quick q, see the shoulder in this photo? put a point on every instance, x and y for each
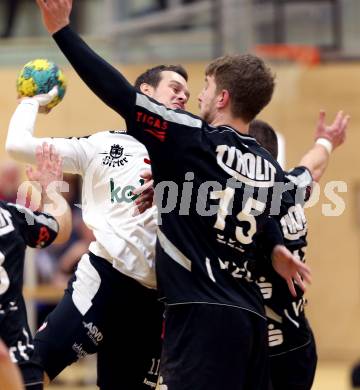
(148, 107)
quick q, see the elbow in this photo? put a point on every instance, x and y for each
(62, 237)
(13, 149)
(65, 227)
(10, 147)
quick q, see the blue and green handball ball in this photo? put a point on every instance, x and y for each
(40, 76)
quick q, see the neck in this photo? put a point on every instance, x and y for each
(222, 119)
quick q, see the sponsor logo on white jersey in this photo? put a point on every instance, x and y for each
(119, 194)
(115, 157)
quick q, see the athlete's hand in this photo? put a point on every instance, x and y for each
(48, 167)
(145, 192)
(290, 268)
(336, 131)
(55, 13)
(44, 99)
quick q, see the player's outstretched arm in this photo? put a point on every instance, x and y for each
(290, 268)
(21, 144)
(103, 79)
(327, 138)
(48, 173)
(10, 378)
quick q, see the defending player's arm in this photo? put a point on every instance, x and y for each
(327, 138)
(21, 143)
(148, 121)
(103, 79)
(284, 262)
(48, 174)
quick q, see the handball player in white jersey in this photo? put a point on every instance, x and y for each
(110, 306)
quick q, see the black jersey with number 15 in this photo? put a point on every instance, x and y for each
(217, 187)
(210, 178)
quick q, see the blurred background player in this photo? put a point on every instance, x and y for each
(10, 176)
(21, 227)
(111, 299)
(292, 347)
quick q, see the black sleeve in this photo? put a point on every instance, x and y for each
(102, 78)
(271, 235)
(148, 121)
(302, 180)
(38, 230)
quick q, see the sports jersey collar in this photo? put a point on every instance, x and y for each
(241, 135)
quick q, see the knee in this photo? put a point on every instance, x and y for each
(4, 353)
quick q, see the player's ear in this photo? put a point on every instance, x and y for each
(147, 89)
(223, 98)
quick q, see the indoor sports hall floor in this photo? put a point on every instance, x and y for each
(330, 376)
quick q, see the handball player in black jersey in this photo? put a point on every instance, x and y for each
(292, 348)
(21, 227)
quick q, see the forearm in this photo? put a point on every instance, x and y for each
(272, 235)
(10, 378)
(103, 79)
(316, 160)
(20, 143)
(54, 204)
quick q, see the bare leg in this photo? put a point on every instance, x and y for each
(10, 378)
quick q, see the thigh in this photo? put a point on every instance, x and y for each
(212, 347)
(129, 358)
(75, 327)
(294, 370)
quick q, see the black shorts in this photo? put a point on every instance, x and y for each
(214, 347)
(15, 332)
(295, 369)
(106, 312)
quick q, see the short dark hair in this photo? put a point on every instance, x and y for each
(265, 135)
(152, 76)
(249, 81)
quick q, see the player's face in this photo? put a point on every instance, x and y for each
(207, 100)
(172, 90)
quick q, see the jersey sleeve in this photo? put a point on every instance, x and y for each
(148, 121)
(272, 235)
(302, 181)
(102, 78)
(21, 143)
(163, 131)
(39, 230)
